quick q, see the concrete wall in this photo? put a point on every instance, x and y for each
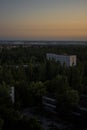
(63, 59)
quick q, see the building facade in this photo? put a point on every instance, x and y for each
(63, 59)
(49, 104)
(12, 94)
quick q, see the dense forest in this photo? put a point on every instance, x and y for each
(33, 76)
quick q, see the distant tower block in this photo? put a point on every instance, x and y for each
(63, 59)
(12, 94)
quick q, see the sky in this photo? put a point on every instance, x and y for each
(43, 19)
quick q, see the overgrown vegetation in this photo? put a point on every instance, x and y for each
(33, 76)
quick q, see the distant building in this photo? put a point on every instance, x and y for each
(12, 95)
(63, 59)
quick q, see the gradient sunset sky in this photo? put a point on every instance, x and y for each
(43, 19)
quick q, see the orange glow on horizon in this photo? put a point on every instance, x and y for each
(59, 30)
